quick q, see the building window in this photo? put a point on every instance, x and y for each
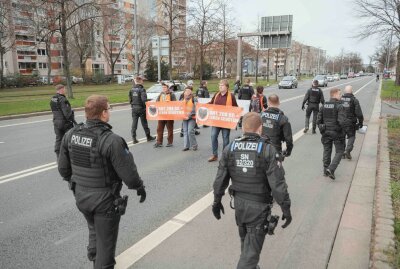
(42, 65)
(124, 67)
(27, 65)
(98, 56)
(41, 52)
(98, 32)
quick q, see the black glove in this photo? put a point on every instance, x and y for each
(360, 125)
(322, 128)
(285, 153)
(286, 216)
(142, 193)
(302, 107)
(217, 208)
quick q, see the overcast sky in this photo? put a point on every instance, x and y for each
(328, 24)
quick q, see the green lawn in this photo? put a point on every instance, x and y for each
(390, 90)
(394, 151)
(36, 99)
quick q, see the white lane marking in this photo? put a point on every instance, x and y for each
(148, 243)
(31, 122)
(2, 142)
(17, 175)
(48, 166)
(360, 89)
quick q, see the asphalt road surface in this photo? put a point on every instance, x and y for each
(40, 226)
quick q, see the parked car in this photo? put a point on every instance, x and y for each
(336, 76)
(154, 91)
(44, 80)
(343, 76)
(128, 78)
(350, 75)
(330, 78)
(186, 75)
(76, 80)
(322, 80)
(288, 82)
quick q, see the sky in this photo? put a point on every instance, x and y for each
(329, 24)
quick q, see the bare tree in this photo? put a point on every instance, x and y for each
(116, 33)
(382, 18)
(203, 17)
(383, 52)
(146, 30)
(7, 38)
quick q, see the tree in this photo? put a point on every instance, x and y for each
(7, 38)
(382, 18)
(146, 30)
(383, 52)
(116, 33)
(203, 14)
(151, 71)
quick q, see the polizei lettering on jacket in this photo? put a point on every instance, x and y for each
(245, 146)
(329, 106)
(271, 116)
(82, 141)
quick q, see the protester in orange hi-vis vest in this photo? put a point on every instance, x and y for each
(258, 102)
(224, 98)
(165, 96)
(189, 137)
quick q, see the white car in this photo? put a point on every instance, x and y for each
(330, 78)
(76, 79)
(128, 78)
(154, 91)
(336, 76)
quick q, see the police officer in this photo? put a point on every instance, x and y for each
(138, 99)
(276, 126)
(63, 116)
(313, 97)
(202, 91)
(245, 93)
(354, 118)
(95, 162)
(257, 177)
(331, 120)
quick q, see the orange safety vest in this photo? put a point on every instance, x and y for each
(228, 98)
(189, 106)
(165, 97)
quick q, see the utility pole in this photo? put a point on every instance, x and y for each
(136, 41)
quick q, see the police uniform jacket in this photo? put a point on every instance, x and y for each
(255, 172)
(331, 118)
(352, 109)
(314, 96)
(92, 156)
(277, 127)
(138, 96)
(246, 92)
(63, 115)
(202, 92)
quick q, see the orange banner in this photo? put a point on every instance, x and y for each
(217, 115)
(173, 110)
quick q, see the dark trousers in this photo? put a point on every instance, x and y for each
(350, 133)
(312, 108)
(250, 216)
(139, 112)
(103, 224)
(160, 131)
(329, 139)
(60, 128)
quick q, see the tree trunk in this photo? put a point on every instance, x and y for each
(170, 40)
(398, 66)
(2, 67)
(301, 54)
(268, 65)
(48, 48)
(65, 50)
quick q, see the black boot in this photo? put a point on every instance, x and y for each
(305, 130)
(313, 131)
(150, 138)
(134, 140)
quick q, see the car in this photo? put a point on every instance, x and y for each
(76, 80)
(44, 80)
(322, 80)
(343, 76)
(288, 82)
(154, 91)
(330, 78)
(128, 78)
(350, 75)
(357, 75)
(186, 75)
(336, 76)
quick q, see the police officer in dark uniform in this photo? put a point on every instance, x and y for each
(245, 93)
(313, 97)
(257, 177)
(354, 118)
(276, 126)
(138, 99)
(331, 120)
(95, 162)
(63, 116)
(202, 91)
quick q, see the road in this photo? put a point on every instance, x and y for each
(40, 226)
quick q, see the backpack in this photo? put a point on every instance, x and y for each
(255, 104)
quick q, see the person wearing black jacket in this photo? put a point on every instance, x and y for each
(63, 116)
(202, 91)
(313, 97)
(257, 177)
(95, 162)
(331, 121)
(138, 99)
(354, 118)
(276, 126)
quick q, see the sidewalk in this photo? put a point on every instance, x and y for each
(317, 206)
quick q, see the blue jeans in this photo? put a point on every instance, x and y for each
(214, 138)
(189, 138)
